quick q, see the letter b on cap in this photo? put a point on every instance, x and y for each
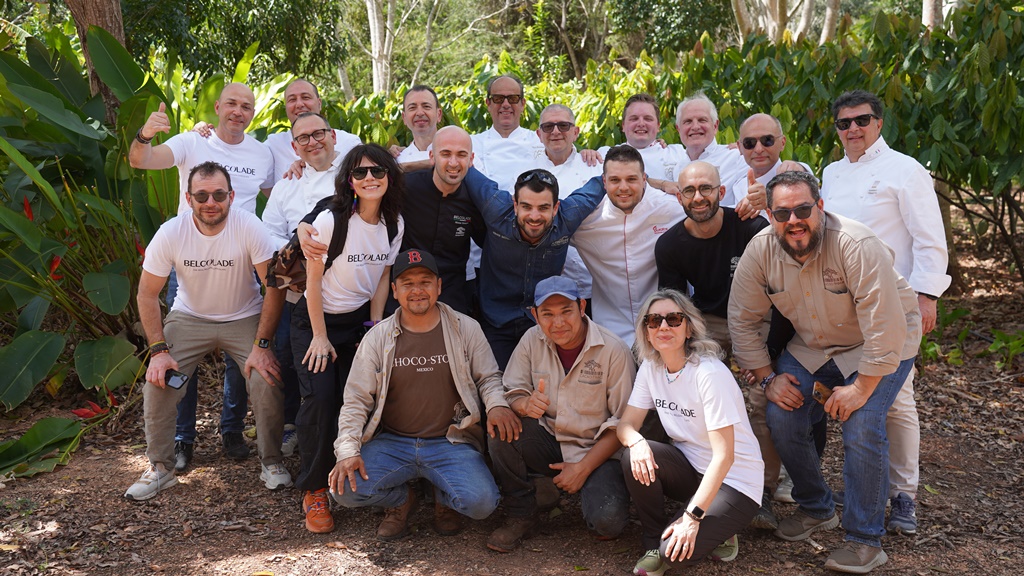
(414, 257)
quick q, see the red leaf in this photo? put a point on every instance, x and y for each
(28, 208)
(110, 397)
(54, 264)
(83, 413)
(97, 408)
(140, 249)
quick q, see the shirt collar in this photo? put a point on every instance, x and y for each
(874, 151)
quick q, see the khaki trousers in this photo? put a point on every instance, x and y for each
(904, 431)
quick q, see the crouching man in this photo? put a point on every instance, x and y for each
(413, 409)
(218, 306)
(569, 380)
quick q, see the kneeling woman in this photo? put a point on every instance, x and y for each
(713, 465)
(328, 321)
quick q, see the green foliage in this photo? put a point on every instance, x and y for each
(1008, 347)
(33, 452)
(931, 350)
(676, 26)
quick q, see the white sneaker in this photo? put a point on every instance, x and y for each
(275, 476)
(151, 483)
(784, 493)
(290, 440)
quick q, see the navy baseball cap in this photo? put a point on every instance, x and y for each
(560, 285)
(413, 259)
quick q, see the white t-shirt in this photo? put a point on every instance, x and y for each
(215, 273)
(354, 275)
(249, 164)
(280, 145)
(704, 397)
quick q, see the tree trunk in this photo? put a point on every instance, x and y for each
(378, 33)
(105, 14)
(806, 17)
(931, 14)
(828, 29)
(743, 21)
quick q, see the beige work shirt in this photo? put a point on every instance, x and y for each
(585, 402)
(847, 302)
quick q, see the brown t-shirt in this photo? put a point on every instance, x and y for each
(422, 400)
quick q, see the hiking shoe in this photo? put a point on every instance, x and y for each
(799, 526)
(234, 445)
(838, 497)
(903, 516)
(151, 483)
(317, 508)
(447, 522)
(508, 537)
(396, 520)
(784, 492)
(546, 493)
(290, 440)
(765, 518)
(727, 551)
(856, 558)
(275, 476)
(182, 455)
(650, 565)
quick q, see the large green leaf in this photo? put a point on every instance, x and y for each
(114, 64)
(107, 363)
(17, 72)
(42, 438)
(31, 317)
(52, 108)
(30, 170)
(22, 227)
(242, 69)
(26, 361)
(109, 292)
(58, 71)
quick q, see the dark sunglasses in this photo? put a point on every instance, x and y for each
(863, 120)
(767, 141)
(549, 127)
(802, 212)
(499, 99)
(543, 176)
(706, 190)
(317, 135)
(674, 319)
(360, 172)
(202, 197)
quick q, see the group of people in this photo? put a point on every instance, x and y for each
(498, 313)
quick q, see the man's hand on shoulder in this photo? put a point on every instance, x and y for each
(591, 157)
(311, 249)
(204, 129)
(504, 422)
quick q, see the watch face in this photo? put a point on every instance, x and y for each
(264, 343)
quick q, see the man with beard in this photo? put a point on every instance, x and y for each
(218, 306)
(858, 328)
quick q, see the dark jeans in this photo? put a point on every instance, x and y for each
(236, 397)
(322, 392)
(504, 339)
(283, 352)
(605, 501)
(730, 512)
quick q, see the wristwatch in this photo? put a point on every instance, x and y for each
(262, 342)
(695, 512)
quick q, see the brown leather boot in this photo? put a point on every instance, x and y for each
(396, 520)
(447, 522)
(508, 537)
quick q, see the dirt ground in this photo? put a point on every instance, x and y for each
(221, 520)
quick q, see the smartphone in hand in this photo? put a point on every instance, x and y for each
(821, 392)
(175, 379)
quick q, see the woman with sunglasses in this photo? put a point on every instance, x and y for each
(343, 297)
(712, 466)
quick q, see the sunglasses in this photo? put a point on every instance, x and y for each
(802, 212)
(767, 141)
(549, 127)
(317, 135)
(543, 176)
(706, 190)
(360, 172)
(499, 99)
(843, 124)
(202, 197)
(674, 319)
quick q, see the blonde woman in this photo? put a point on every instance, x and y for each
(713, 465)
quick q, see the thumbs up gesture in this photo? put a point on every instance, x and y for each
(157, 122)
(538, 402)
(754, 201)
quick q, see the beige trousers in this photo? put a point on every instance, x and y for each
(904, 431)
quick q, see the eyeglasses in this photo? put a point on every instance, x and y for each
(549, 127)
(750, 142)
(802, 212)
(543, 176)
(317, 135)
(202, 197)
(360, 172)
(674, 319)
(706, 190)
(843, 124)
(499, 99)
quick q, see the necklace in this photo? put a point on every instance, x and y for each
(670, 377)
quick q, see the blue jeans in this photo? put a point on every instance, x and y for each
(457, 471)
(865, 449)
(283, 351)
(236, 398)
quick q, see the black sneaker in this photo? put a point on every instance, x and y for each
(234, 445)
(765, 518)
(182, 455)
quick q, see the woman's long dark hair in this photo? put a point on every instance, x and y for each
(344, 201)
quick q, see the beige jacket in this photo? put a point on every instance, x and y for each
(847, 302)
(474, 369)
(585, 402)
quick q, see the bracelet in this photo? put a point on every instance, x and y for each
(142, 139)
(155, 353)
(159, 348)
(767, 380)
(642, 439)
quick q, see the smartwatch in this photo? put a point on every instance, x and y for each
(262, 342)
(695, 512)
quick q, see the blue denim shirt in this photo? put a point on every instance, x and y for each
(511, 267)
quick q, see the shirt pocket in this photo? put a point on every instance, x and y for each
(786, 302)
(840, 309)
(589, 399)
